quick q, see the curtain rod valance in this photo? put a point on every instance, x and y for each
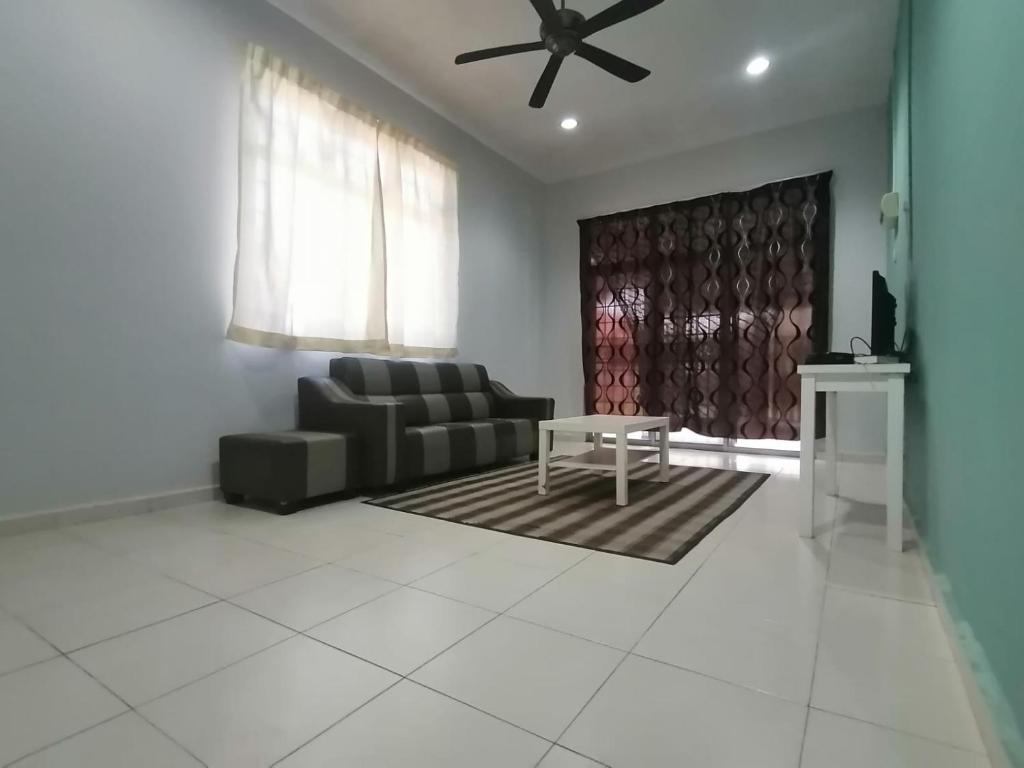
(262, 58)
(825, 177)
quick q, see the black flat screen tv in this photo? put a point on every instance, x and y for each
(883, 317)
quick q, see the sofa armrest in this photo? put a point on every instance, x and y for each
(327, 405)
(509, 405)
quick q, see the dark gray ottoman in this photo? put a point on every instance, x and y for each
(287, 467)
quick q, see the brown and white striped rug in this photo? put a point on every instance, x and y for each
(663, 521)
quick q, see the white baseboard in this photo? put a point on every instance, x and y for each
(104, 510)
(981, 705)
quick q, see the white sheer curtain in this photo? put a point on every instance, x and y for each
(421, 225)
(348, 229)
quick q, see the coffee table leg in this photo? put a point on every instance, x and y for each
(663, 443)
(542, 462)
(621, 469)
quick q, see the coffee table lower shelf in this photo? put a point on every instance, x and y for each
(603, 459)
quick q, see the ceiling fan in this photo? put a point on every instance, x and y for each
(563, 32)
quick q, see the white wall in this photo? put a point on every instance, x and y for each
(118, 145)
(854, 145)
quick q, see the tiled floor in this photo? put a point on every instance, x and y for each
(350, 635)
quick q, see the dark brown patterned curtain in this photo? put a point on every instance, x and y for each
(702, 310)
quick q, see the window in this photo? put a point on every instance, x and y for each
(348, 227)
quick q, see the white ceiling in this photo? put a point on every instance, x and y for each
(828, 56)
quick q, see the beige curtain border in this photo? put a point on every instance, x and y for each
(316, 344)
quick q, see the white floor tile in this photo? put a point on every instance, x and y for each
(219, 516)
(403, 629)
(559, 757)
(410, 558)
(537, 553)
(854, 623)
(259, 710)
(862, 483)
(528, 675)
(470, 536)
(44, 703)
(763, 586)
(732, 643)
(122, 608)
(412, 726)
(645, 575)
(755, 600)
(127, 741)
(486, 580)
(868, 520)
(135, 533)
(655, 716)
(36, 580)
(862, 563)
(324, 538)
(762, 548)
(225, 565)
(29, 554)
(150, 662)
(839, 742)
(20, 646)
(873, 672)
(606, 598)
(18, 545)
(382, 519)
(313, 597)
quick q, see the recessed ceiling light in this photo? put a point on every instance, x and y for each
(570, 123)
(758, 66)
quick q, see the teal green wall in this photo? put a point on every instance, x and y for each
(965, 427)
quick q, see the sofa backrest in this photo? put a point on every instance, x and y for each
(372, 376)
(431, 392)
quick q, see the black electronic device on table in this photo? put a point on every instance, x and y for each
(831, 358)
(883, 317)
(883, 328)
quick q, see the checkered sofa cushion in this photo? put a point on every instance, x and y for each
(434, 449)
(431, 393)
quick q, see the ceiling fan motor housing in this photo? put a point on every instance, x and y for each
(564, 40)
(562, 33)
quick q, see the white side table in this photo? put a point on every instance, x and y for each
(885, 378)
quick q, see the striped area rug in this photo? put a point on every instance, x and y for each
(663, 521)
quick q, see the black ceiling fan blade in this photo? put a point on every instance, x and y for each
(609, 62)
(502, 50)
(622, 10)
(546, 10)
(547, 79)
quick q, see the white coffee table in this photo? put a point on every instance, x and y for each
(617, 460)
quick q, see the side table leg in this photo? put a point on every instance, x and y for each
(832, 443)
(894, 467)
(542, 462)
(621, 469)
(806, 511)
(663, 444)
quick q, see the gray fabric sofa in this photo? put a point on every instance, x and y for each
(414, 420)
